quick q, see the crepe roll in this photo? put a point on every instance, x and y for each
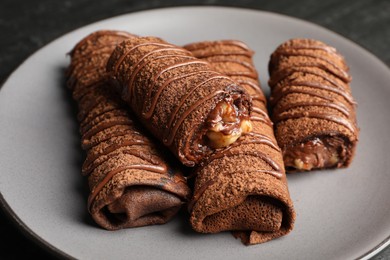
(132, 181)
(242, 188)
(312, 105)
(187, 105)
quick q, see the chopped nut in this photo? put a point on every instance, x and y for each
(300, 165)
(220, 140)
(226, 125)
(334, 159)
(246, 126)
(314, 154)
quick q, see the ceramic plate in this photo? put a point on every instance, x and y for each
(341, 214)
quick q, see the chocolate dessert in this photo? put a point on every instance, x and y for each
(242, 188)
(186, 104)
(132, 183)
(312, 106)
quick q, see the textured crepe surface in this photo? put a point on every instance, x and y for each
(172, 93)
(311, 96)
(132, 183)
(242, 188)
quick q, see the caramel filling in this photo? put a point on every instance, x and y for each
(325, 152)
(226, 123)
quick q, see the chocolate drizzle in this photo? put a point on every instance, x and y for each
(202, 189)
(111, 148)
(334, 118)
(340, 107)
(139, 67)
(172, 126)
(278, 91)
(256, 87)
(101, 136)
(263, 139)
(104, 125)
(150, 70)
(323, 77)
(110, 136)
(315, 51)
(149, 113)
(312, 104)
(108, 176)
(220, 54)
(246, 77)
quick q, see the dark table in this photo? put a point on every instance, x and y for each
(25, 26)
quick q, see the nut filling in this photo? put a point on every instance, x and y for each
(226, 123)
(325, 152)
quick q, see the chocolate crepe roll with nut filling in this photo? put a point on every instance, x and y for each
(186, 104)
(313, 108)
(242, 188)
(131, 183)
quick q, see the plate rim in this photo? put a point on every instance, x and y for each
(28, 233)
(54, 251)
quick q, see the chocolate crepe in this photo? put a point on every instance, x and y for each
(242, 188)
(131, 183)
(313, 108)
(186, 104)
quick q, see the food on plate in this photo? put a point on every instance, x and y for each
(312, 105)
(131, 179)
(242, 188)
(187, 105)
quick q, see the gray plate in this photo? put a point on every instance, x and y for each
(341, 214)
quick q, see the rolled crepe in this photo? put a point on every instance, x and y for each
(242, 188)
(313, 108)
(188, 106)
(131, 183)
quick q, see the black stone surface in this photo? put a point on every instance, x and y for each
(27, 25)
